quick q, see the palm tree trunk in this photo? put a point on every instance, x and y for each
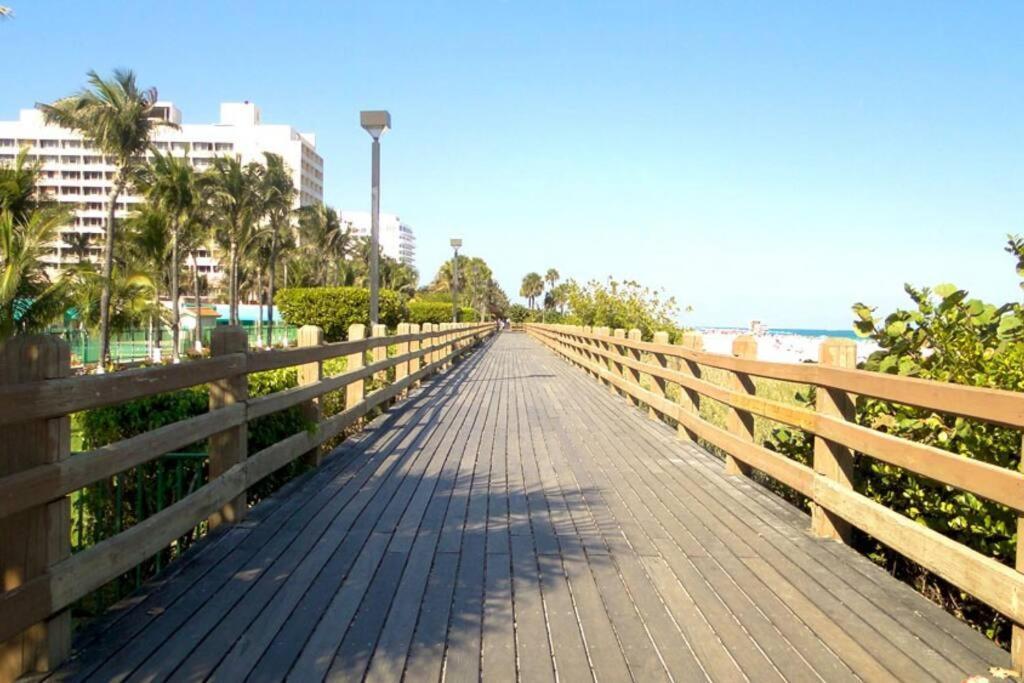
(108, 272)
(195, 291)
(270, 288)
(175, 313)
(233, 286)
(259, 306)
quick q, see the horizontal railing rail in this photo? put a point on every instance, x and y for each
(37, 473)
(618, 358)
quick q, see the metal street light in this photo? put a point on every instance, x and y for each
(456, 242)
(375, 123)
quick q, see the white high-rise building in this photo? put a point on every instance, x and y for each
(78, 175)
(396, 238)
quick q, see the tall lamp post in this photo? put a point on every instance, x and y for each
(456, 243)
(375, 123)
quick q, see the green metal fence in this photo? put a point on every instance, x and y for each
(130, 346)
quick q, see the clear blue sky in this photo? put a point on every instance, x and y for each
(758, 160)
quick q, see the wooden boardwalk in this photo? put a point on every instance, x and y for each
(513, 519)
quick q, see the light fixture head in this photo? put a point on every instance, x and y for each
(375, 122)
(456, 242)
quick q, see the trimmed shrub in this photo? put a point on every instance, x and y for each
(333, 309)
(437, 312)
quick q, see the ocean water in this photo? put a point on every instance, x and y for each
(803, 332)
(846, 334)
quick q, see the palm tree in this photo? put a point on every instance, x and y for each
(169, 182)
(117, 117)
(279, 196)
(398, 277)
(147, 252)
(532, 287)
(195, 236)
(550, 277)
(28, 299)
(79, 244)
(235, 196)
(330, 240)
(18, 191)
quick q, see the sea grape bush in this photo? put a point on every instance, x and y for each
(947, 336)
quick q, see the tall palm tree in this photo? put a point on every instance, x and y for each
(551, 278)
(236, 200)
(278, 196)
(19, 193)
(147, 252)
(330, 240)
(28, 299)
(532, 287)
(195, 238)
(169, 182)
(118, 118)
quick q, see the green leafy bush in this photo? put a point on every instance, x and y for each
(626, 304)
(948, 337)
(518, 313)
(333, 309)
(437, 312)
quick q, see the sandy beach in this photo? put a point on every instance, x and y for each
(771, 346)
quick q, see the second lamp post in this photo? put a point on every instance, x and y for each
(456, 243)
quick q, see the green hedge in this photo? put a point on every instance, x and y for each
(333, 309)
(437, 312)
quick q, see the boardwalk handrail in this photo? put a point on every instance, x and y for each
(616, 359)
(40, 577)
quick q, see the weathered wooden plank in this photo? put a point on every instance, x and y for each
(289, 640)
(49, 482)
(857, 625)
(34, 400)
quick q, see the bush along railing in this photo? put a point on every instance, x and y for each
(39, 477)
(618, 359)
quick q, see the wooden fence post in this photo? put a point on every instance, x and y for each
(414, 365)
(629, 373)
(657, 383)
(354, 390)
(589, 343)
(379, 353)
(603, 344)
(445, 347)
(402, 369)
(740, 422)
(616, 367)
(430, 356)
(1017, 631)
(689, 398)
(310, 373)
(34, 539)
(831, 460)
(230, 447)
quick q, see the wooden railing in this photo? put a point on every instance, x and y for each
(40, 578)
(619, 357)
